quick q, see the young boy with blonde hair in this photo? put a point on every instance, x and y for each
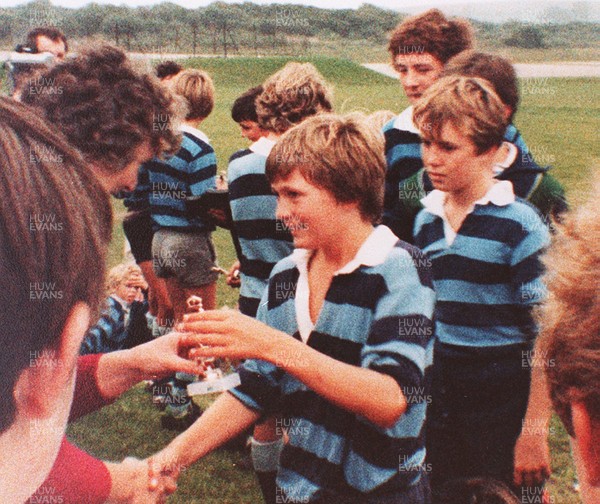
(125, 284)
(289, 96)
(484, 247)
(344, 334)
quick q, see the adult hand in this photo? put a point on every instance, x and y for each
(163, 356)
(233, 277)
(532, 459)
(228, 333)
(132, 483)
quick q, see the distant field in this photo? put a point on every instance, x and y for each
(559, 119)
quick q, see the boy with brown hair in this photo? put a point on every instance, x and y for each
(484, 246)
(182, 249)
(419, 46)
(530, 181)
(289, 96)
(344, 334)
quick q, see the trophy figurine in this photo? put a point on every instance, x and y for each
(219, 374)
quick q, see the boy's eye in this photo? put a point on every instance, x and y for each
(426, 143)
(447, 147)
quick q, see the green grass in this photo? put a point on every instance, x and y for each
(559, 120)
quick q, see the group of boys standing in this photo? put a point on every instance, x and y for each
(405, 365)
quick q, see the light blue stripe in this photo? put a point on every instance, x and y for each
(479, 336)
(253, 208)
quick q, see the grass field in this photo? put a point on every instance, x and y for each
(559, 119)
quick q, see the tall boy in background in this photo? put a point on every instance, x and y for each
(530, 181)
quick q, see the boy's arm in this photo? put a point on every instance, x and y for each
(373, 391)
(225, 419)
(532, 454)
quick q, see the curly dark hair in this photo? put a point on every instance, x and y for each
(105, 108)
(431, 32)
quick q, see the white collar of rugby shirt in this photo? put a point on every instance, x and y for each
(194, 131)
(372, 252)
(500, 194)
(404, 121)
(262, 146)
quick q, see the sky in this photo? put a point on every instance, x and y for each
(329, 4)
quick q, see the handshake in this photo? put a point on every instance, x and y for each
(147, 481)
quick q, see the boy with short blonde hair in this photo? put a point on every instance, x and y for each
(125, 284)
(484, 246)
(197, 87)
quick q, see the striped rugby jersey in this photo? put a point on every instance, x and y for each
(377, 315)
(488, 278)
(263, 240)
(190, 172)
(138, 198)
(403, 157)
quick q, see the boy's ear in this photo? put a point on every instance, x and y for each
(587, 434)
(41, 386)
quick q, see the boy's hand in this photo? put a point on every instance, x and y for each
(233, 277)
(532, 459)
(228, 333)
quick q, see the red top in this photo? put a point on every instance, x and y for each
(76, 476)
